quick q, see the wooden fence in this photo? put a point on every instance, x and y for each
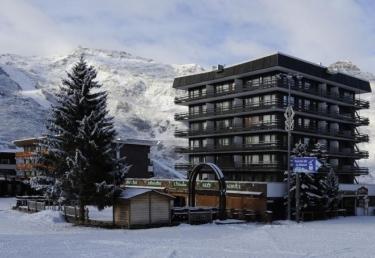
(71, 213)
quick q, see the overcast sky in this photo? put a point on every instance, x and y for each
(205, 32)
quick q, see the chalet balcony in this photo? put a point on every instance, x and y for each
(357, 103)
(256, 147)
(25, 154)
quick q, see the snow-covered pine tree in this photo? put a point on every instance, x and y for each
(80, 139)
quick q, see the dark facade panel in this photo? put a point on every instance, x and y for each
(138, 157)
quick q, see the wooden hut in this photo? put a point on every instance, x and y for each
(141, 207)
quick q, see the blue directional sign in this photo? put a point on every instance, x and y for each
(305, 164)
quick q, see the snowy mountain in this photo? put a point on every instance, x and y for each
(140, 96)
(351, 69)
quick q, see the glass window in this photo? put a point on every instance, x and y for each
(269, 138)
(223, 141)
(253, 139)
(226, 123)
(306, 122)
(222, 106)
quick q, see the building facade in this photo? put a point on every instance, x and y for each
(137, 153)
(235, 117)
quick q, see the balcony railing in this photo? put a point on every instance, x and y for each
(229, 110)
(358, 103)
(275, 167)
(355, 154)
(270, 105)
(25, 154)
(276, 125)
(267, 146)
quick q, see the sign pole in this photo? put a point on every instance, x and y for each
(289, 126)
(298, 197)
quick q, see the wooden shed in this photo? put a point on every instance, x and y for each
(141, 207)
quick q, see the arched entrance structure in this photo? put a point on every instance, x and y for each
(222, 186)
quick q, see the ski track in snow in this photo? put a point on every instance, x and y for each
(43, 235)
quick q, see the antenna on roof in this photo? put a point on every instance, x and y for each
(220, 68)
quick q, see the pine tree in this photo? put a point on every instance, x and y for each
(80, 141)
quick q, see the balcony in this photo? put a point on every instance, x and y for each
(25, 154)
(256, 147)
(250, 128)
(355, 171)
(275, 105)
(354, 154)
(276, 126)
(357, 103)
(231, 110)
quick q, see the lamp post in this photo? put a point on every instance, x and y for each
(289, 127)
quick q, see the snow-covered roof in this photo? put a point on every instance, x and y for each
(136, 141)
(6, 147)
(129, 193)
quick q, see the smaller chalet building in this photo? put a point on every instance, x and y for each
(141, 207)
(137, 153)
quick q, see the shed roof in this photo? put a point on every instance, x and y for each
(130, 193)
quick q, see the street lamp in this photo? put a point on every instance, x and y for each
(289, 127)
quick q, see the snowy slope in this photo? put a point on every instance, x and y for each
(351, 69)
(140, 96)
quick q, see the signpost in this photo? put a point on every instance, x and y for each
(303, 165)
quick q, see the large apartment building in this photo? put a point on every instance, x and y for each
(235, 117)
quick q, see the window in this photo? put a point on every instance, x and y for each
(285, 100)
(195, 109)
(221, 106)
(306, 122)
(195, 159)
(251, 121)
(251, 159)
(194, 93)
(269, 138)
(269, 158)
(307, 104)
(269, 119)
(224, 124)
(194, 143)
(195, 126)
(224, 87)
(223, 141)
(253, 139)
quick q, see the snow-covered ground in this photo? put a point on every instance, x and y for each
(44, 234)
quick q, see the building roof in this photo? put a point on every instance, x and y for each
(130, 193)
(34, 140)
(273, 61)
(136, 141)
